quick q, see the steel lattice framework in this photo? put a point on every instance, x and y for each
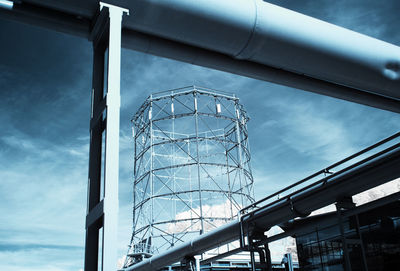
(191, 167)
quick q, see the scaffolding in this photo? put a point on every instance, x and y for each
(191, 167)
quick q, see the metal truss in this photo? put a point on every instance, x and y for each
(191, 167)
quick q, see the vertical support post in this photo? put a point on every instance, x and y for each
(319, 249)
(151, 165)
(188, 264)
(288, 262)
(198, 163)
(261, 255)
(239, 142)
(364, 259)
(113, 101)
(347, 265)
(344, 204)
(103, 197)
(228, 176)
(252, 261)
(173, 154)
(268, 257)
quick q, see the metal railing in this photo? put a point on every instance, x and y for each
(325, 175)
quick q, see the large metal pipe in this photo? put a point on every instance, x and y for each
(277, 37)
(212, 239)
(373, 173)
(166, 48)
(247, 37)
(297, 227)
(359, 179)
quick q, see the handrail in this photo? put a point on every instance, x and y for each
(326, 170)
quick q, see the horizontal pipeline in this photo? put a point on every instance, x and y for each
(250, 38)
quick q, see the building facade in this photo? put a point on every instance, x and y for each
(359, 238)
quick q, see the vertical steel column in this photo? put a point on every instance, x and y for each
(344, 204)
(268, 257)
(94, 218)
(198, 162)
(173, 151)
(319, 249)
(289, 263)
(364, 259)
(227, 174)
(252, 261)
(239, 142)
(102, 209)
(151, 166)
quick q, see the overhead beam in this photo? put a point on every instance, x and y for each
(161, 46)
(197, 56)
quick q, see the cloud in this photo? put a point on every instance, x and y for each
(49, 259)
(26, 247)
(45, 106)
(378, 192)
(315, 135)
(121, 261)
(44, 187)
(216, 211)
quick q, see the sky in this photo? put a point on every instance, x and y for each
(45, 83)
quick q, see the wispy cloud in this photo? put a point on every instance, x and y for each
(45, 106)
(26, 247)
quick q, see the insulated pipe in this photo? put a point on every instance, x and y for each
(48, 18)
(363, 177)
(264, 33)
(219, 236)
(296, 227)
(246, 37)
(375, 172)
(206, 58)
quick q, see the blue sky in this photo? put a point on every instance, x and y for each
(45, 80)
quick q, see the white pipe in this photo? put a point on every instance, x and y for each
(247, 37)
(264, 33)
(6, 4)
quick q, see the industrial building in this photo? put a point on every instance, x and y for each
(366, 237)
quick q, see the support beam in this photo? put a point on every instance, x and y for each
(101, 250)
(359, 69)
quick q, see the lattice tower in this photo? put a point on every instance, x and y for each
(191, 167)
